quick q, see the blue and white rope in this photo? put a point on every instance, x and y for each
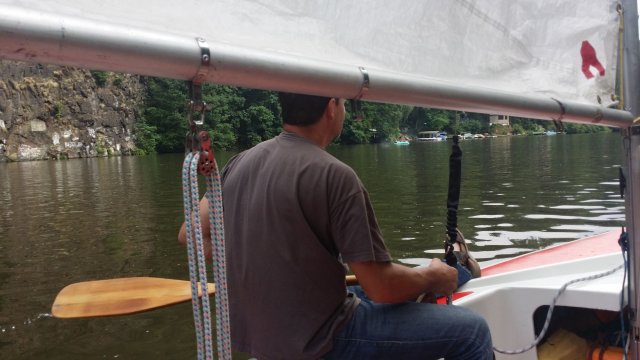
(200, 256)
(195, 301)
(197, 264)
(214, 196)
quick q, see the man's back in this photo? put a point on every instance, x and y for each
(283, 200)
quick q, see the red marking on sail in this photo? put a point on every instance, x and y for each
(589, 59)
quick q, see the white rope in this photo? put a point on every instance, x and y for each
(216, 219)
(195, 250)
(197, 264)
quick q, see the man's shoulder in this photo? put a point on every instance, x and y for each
(230, 164)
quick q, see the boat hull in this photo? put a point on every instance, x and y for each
(508, 293)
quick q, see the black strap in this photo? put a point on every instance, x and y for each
(623, 182)
(453, 198)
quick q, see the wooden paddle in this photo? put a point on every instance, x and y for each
(125, 296)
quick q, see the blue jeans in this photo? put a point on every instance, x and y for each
(464, 275)
(412, 331)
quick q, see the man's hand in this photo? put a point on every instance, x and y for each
(387, 282)
(445, 277)
(206, 230)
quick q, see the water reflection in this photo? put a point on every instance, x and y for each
(86, 219)
(520, 193)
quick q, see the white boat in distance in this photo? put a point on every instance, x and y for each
(431, 136)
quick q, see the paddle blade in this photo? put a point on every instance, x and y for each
(120, 296)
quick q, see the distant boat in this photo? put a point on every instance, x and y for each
(429, 136)
(401, 142)
(550, 132)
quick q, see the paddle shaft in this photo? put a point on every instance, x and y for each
(126, 296)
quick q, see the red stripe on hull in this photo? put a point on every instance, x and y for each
(601, 244)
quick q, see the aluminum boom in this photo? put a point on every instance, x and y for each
(39, 37)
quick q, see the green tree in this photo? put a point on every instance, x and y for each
(473, 126)
(517, 129)
(257, 123)
(223, 119)
(423, 119)
(354, 132)
(405, 121)
(438, 119)
(384, 118)
(572, 128)
(146, 137)
(261, 118)
(241, 118)
(164, 110)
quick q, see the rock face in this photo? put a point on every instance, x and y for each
(53, 112)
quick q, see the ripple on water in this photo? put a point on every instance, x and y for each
(18, 328)
(572, 207)
(486, 216)
(607, 217)
(608, 211)
(486, 226)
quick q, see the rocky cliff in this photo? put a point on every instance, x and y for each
(52, 112)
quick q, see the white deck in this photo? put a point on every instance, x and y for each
(509, 300)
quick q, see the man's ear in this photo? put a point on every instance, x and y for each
(331, 107)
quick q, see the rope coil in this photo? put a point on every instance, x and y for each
(189, 211)
(197, 264)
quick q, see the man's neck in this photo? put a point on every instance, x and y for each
(311, 133)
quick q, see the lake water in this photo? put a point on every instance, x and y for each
(63, 222)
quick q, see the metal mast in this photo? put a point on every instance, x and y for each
(631, 142)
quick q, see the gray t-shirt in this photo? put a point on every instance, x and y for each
(292, 213)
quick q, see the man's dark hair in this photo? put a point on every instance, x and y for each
(302, 110)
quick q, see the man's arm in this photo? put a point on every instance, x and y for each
(206, 229)
(387, 282)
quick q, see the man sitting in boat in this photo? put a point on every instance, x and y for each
(294, 216)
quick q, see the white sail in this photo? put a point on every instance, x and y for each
(524, 47)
